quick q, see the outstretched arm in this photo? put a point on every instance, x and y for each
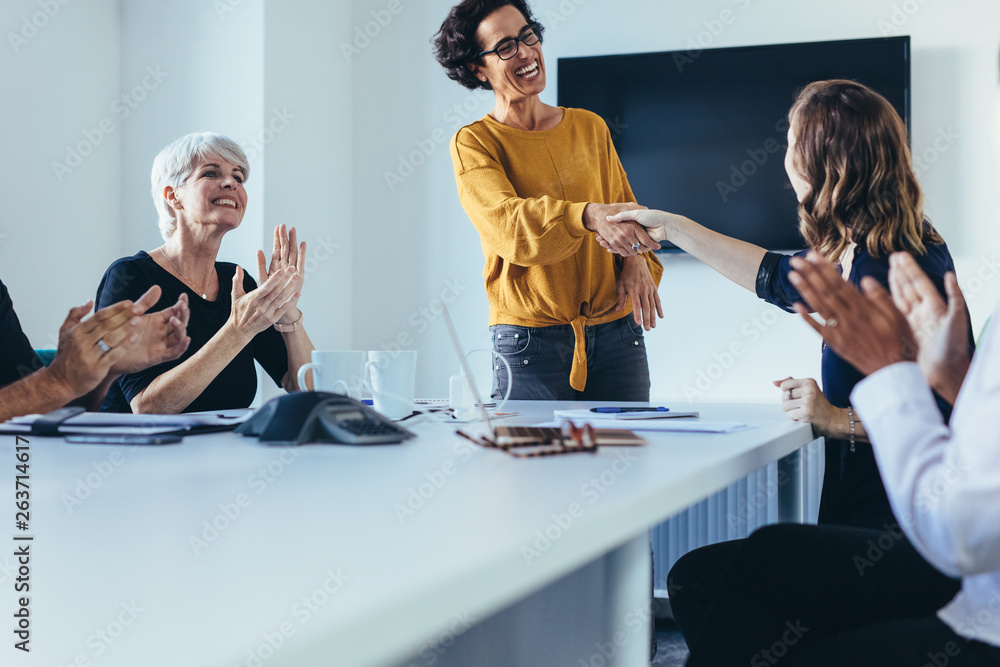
(734, 259)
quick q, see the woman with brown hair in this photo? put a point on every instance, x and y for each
(859, 201)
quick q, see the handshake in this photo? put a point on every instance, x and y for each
(627, 229)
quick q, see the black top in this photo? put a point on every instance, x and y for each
(852, 488)
(18, 360)
(236, 385)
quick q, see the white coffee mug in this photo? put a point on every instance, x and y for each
(338, 371)
(391, 377)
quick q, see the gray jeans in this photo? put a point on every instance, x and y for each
(540, 360)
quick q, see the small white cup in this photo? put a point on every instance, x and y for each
(338, 371)
(391, 377)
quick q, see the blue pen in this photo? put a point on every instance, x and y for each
(619, 410)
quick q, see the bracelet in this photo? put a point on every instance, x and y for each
(852, 419)
(291, 326)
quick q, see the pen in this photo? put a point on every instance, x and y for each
(619, 410)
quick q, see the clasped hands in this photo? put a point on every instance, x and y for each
(630, 240)
(279, 286)
(118, 339)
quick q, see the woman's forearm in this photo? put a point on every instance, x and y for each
(737, 260)
(840, 428)
(176, 389)
(299, 353)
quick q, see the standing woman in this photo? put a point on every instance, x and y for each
(198, 190)
(859, 201)
(536, 181)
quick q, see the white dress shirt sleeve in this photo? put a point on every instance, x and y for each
(943, 482)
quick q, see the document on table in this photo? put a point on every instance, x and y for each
(111, 423)
(586, 414)
(675, 425)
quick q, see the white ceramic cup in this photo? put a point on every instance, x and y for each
(391, 377)
(339, 371)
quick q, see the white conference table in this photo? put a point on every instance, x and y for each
(220, 551)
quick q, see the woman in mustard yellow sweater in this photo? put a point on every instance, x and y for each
(537, 181)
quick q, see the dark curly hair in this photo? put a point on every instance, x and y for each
(455, 44)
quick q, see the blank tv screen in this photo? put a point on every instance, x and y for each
(703, 134)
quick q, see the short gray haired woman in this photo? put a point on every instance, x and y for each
(199, 194)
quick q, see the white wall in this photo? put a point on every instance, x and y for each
(57, 225)
(210, 67)
(386, 106)
(954, 79)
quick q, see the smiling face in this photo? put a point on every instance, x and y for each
(523, 75)
(212, 195)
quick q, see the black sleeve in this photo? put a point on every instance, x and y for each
(772, 282)
(126, 279)
(18, 360)
(268, 346)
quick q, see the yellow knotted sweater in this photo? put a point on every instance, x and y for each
(525, 193)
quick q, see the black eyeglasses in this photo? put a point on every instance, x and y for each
(507, 49)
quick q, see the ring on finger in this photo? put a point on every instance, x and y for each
(635, 246)
(832, 322)
(790, 397)
(105, 348)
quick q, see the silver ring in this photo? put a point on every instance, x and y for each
(105, 348)
(635, 247)
(832, 322)
(789, 394)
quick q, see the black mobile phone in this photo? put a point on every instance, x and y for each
(123, 439)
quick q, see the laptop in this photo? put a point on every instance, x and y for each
(544, 440)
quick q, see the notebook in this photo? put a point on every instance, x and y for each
(548, 439)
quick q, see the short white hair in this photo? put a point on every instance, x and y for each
(175, 163)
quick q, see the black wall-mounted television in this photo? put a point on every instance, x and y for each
(703, 134)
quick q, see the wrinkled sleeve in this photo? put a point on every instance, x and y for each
(525, 231)
(772, 283)
(943, 483)
(125, 280)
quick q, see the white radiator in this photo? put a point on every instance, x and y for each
(733, 513)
